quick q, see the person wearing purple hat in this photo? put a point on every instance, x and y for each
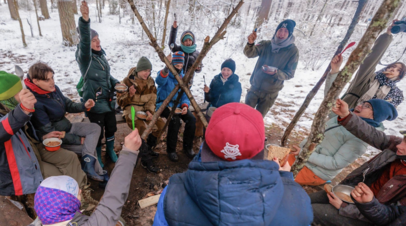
(277, 62)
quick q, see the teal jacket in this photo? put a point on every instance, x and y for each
(338, 149)
(95, 72)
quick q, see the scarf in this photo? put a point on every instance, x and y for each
(278, 44)
(369, 121)
(10, 103)
(384, 81)
(188, 49)
(101, 52)
(34, 87)
(54, 205)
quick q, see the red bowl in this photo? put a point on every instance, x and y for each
(52, 147)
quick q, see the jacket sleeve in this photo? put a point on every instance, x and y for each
(346, 154)
(367, 133)
(172, 38)
(69, 138)
(73, 107)
(185, 101)
(237, 93)
(289, 71)
(382, 214)
(85, 50)
(209, 96)
(109, 209)
(12, 122)
(159, 219)
(329, 82)
(351, 211)
(113, 81)
(252, 50)
(162, 77)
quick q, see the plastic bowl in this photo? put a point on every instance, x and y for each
(342, 191)
(269, 68)
(141, 115)
(121, 88)
(52, 147)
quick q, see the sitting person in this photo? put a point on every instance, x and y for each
(224, 88)
(166, 83)
(141, 95)
(229, 183)
(385, 175)
(368, 84)
(57, 200)
(339, 147)
(24, 161)
(49, 116)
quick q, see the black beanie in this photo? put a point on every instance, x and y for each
(288, 24)
(230, 64)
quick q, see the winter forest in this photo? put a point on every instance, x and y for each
(41, 30)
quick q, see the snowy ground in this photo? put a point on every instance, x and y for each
(125, 44)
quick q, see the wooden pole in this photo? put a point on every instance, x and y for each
(378, 23)
(36, 15)
(313, 92)
(168, 4)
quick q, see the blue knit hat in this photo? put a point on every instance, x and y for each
(178, 58)
(229, 63)
(188, 36)
(288, 24)
(383, 110)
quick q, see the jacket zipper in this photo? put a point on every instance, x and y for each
(99, 62)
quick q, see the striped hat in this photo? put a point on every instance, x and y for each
(10, 85)
(178, 58)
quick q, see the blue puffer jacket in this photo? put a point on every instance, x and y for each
(223, 93)
(165, 86)
(245, 192)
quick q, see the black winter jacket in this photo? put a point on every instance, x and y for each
(221, 94)
(380, 214)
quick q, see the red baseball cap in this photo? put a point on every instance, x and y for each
(236, 131)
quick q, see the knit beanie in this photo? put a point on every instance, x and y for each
(229, 63)
(93, 33)
(178, 58)
(10, 85)
(288, 24)
(383, 110)
(188, 36)
(143, 64)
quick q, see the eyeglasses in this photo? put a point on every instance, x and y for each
(366, 105)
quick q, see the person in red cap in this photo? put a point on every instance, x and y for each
(230, 183)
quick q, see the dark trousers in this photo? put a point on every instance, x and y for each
(107, 122)
(327, 214)
(173, 130)
(260, 100)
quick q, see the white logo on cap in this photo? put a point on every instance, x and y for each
(231, 151)
(285, 25)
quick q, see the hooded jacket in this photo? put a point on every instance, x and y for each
(20, 172)
(190, 58)
(223, 93)
(144, 98)
(245, 192)
(166, 83)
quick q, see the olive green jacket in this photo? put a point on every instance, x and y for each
(285, 60)
(95, 72)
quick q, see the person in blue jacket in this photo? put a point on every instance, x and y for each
(166, 83)
(224, 88)
(229, 182)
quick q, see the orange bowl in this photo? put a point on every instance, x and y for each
(52, 144)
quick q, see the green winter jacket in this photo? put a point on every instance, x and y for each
(95, 72)
(285, 60)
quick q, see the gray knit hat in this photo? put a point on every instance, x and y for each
(143, 64)
(93, 33)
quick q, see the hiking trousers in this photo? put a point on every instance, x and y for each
(260, 100)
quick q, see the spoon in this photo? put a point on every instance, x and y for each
(364, 173)
(133, 116)
(348, 46)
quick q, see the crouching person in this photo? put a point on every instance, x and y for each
(385, 176)
(49, 116)
(229, 182)
(224, 88)
(141, 96)
(57, 200)
(24, 161)
(166, 83)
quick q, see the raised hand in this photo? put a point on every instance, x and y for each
(341, 108)
(175, 24)
(389, 30)
(206, 89)
(133, 141)
(27, 99)
(252, 37)
(362, 193)
(84, 10)
(336, 63)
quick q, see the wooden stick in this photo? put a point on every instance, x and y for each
(149, 201)
(378, 23)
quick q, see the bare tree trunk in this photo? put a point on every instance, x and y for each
(318, 18)
(378, 23)
(36, 15)
(29, 24)
(98, 10)
(67, 20)
(19, 20)
(44, 8)
(309, 97)
(168, 4)
(52, 5)
(13, 11)
(263, 13)
(74, 7)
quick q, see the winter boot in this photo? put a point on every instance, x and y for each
(150, 167)
(98, 150)
(189, 152)
(173, 156)
(88, 167)
(151, 141)
(110, 149)
(86, 196)
(106, 179)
